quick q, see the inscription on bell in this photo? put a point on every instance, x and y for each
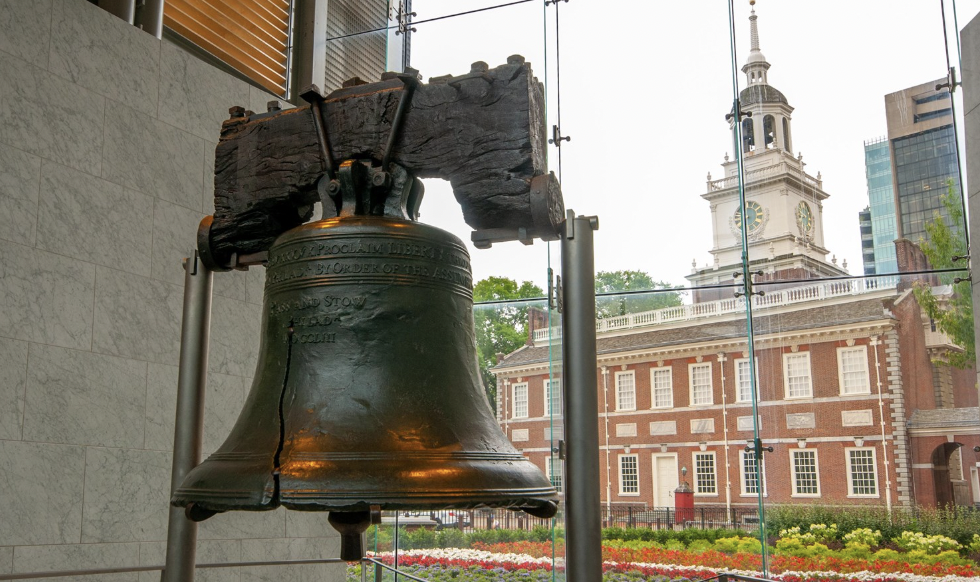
(317, 320)
(315, 338)
(326, 249)
(371, 262)
(281, 306)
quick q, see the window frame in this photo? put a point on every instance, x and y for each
(738, 382)
(670, 387)
(840, 370)
(690, 382)
(636, 465)
(793, 453)
(714, 473)
(549, 398)
(619, 404)
(743, 489)
(850, 472)
(786, 376)
(514, 400)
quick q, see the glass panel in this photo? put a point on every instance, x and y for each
(718, 398)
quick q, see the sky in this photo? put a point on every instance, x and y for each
(644, 89)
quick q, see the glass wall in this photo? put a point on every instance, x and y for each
(752, 366)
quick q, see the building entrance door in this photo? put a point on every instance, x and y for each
(664, 480)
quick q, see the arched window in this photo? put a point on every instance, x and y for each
(748, 135)
(769, 129)
(786, 144)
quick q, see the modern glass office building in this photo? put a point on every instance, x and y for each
(924, 162)
(922, 146)
(878, 170)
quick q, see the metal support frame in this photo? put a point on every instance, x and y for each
(583, 525)
(125, 9)
(189, 422)
(149, 17)
(308, 63)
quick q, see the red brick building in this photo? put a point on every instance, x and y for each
(847, 393)
(848, 397)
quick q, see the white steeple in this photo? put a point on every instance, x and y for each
(756, 66)
(783, 210)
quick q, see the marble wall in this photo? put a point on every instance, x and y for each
(107, 140)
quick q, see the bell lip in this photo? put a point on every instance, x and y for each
(542, 505)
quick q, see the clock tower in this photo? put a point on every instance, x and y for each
(783, 212)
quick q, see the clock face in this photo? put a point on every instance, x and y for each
(754, 217)
(804, 219)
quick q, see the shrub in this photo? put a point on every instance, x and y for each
(824, 533)
(748, 545)
(958, 523)
(886, 554)
(727, 545)
(790, 546)
(451, 538)
(379, 538)
(856, 551)
(699, 546)
(418, 539)
(931, 545)
(862, 536)
(975, 544)
(803, 537)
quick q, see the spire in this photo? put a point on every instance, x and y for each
(756, 66)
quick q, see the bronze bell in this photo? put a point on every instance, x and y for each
(367, 393)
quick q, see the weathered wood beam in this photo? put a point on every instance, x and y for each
(483, 131)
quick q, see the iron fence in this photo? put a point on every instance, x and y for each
(706, 517)
(625, 516)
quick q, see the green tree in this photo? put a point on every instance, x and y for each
(500, 328)
(953, 314)
(612, 281)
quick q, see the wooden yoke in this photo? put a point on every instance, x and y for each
(483, 131)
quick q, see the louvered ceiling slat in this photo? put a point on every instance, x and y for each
(273, 84)
(273, 39)
(248, 35)
(218, 35)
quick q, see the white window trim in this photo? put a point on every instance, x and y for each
(714, 468)
(840, 370)
(547, 401)
(850, 481)
(670, 381)
(809, 366)
(741, 475)
(792, 472)
(738, 391)
(631, 373)
(690, 384)
(513, 400)
(619, 464)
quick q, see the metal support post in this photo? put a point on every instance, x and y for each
(125, 9)
(583, 525)
(149, 17)
(189, 423)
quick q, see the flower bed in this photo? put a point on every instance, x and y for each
(621, 565)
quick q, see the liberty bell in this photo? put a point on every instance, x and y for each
(367, 394)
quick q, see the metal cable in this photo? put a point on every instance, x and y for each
(414, 22)
(956, 133)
